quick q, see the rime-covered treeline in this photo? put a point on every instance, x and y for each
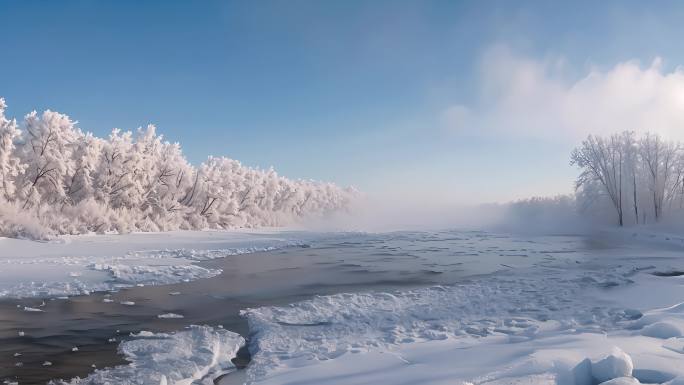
(54, 178)
(642, 177)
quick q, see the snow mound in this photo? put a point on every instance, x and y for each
(617, 364)
(197, 356)
(621, 381)
(662, 323)
(662, 330)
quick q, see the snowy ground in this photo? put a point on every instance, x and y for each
(402, 341)
(82, 264)
(576, 317)
(547, 324)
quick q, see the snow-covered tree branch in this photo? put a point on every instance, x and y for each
(56, 179)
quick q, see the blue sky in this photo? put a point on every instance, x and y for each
(355, 92)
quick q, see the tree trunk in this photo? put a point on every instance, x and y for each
(636, 205)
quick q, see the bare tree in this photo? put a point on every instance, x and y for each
(631, 151)
(658, 157)
(603, 161)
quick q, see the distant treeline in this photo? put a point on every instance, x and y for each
(57, 179)
(642, 177)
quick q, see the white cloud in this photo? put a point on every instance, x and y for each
(528, 97)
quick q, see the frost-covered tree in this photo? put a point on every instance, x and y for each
(114, 177)
(632, 169)
(48, 155)
(602, 160)
(62, 180)
(11, 166)
(658, 157)
(675, 195)
(80, 182)
(644, 175)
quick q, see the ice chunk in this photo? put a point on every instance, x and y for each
(617, 364)
(197, 355)
(145, 334)
(169, 315)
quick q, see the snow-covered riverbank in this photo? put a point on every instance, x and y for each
(547, 324)
(446, 344)
(75, 265)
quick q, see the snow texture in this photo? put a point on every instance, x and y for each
(541, 325)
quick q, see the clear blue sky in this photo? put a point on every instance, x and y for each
(353, 92)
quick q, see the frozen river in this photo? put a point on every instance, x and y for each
(37, 346)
